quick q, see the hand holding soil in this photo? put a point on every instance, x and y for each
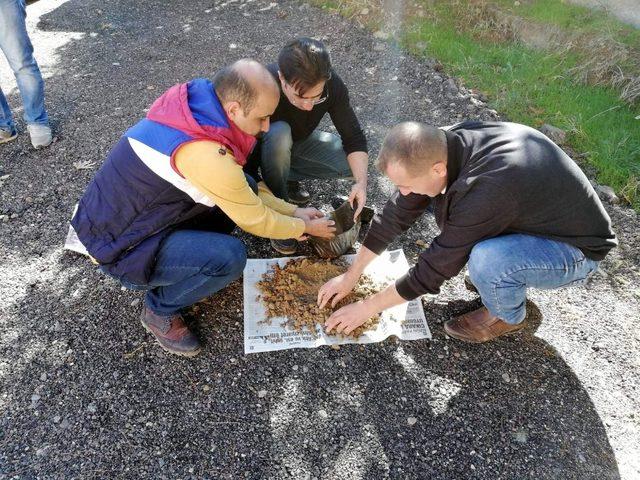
(292, 292)
(349, 318)
(336, 289)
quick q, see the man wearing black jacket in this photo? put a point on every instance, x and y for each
(294, 149)
(507, 200)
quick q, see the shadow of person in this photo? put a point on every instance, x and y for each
(511, 408)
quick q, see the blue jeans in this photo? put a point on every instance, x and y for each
(502, 268)
(320, 155)
(16, 46)
(195, 261)
(190, 266)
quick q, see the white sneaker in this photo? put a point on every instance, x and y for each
(40, 135)
(7, 135)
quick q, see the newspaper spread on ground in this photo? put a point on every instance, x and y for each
(406, 321)
(72, 242)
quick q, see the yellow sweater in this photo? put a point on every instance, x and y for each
(222, 179)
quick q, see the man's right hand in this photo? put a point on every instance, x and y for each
(320, 227)
(337, 288)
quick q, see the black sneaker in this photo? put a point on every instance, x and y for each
(285, 247)
(297, 195)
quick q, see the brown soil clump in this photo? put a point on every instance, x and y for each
(292, 292)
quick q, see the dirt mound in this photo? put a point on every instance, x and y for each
(292, 292)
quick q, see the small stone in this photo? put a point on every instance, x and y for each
(364, 11)
(56, 419)
(555, 134)
(380, 35)
(505, 377)
(92, 408)
(233, 46)
(323, 413)
(41, 452)
(421, 243)
(379, 47)
(262, 393)
(411, 421)
(607, 194)
(335, 347)
(521, 436)
(135, 302)
(43, 377)
(65, 424)
(206, 388)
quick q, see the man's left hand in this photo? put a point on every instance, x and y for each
(359, 194)
(349, 317)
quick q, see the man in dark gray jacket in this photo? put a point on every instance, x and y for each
(507, 200)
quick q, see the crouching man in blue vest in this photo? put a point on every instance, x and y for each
(158, 214)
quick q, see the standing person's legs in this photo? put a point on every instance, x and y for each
(7, 128)
(502, 268)
(17, 47)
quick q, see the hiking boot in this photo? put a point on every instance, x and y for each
(171, 333)
(285, 247)
(479, 326)
(40, 135)
(8, 135)
(297, 195)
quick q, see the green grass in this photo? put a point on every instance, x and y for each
(532, 86)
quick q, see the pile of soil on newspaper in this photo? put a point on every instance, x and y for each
(292, 292)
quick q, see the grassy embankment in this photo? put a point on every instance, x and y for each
(537, 62)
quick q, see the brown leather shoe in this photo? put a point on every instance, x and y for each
(171, 333)
(479, 326)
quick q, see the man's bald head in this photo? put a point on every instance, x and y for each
(244, 82)
(413, 145)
